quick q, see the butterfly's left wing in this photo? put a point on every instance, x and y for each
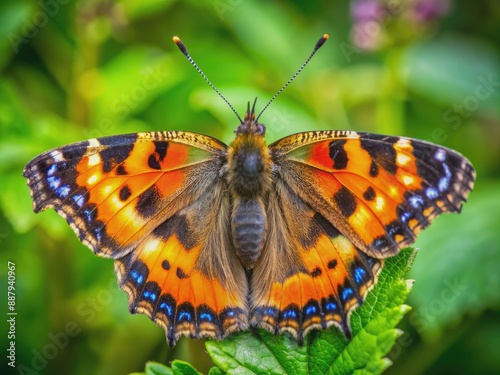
(156, 203)
(342, 202)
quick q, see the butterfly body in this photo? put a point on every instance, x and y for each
(250, 181)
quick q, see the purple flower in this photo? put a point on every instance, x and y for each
(367, 15)
(376, 22)
(366, 10)
(429, 10)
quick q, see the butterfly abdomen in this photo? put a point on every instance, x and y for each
(249, 229)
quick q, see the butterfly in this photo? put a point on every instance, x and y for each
(210, 239)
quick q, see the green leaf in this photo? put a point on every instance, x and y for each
(216, 371)
(178, 368)
(328, 352)
(155, 368)
(183, 368)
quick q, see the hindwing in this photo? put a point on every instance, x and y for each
(310, 275)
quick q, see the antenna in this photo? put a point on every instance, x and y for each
(318, 45)
(183, 49)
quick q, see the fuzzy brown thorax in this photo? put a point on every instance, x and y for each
(249, 179)
(249, 166)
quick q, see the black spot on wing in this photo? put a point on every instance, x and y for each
(327, 227)
(332, 264)
(369, 194)
(161, 148)
(373, 169)
(157, 157)
(317, 226)
(165, 265)
(118, 149)
(316, 272)
(381, 150)
(338, 154)
(176, 225)
(148, 202)
(345, 201)
(153, 162)
(181, 274)
(125, 193)
(121, 171)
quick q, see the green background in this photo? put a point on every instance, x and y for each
(73, 70)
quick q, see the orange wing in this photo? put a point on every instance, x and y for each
(149, 200)
(378, 191)
(344, 201)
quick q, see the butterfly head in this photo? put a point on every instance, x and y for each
(249, 125)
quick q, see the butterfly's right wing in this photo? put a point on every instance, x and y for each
(156, 203)
(342, 202)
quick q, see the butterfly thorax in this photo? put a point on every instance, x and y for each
(249, 180)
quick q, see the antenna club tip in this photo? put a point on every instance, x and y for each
(178, 43)
(321, 41)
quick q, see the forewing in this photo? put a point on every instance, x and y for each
(149, 200)
(378, 191)
(113, 191)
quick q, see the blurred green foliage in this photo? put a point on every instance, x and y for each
(73, 70)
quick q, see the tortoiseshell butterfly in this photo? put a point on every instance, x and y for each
(210, 239)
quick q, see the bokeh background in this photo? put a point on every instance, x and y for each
(73, 70)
